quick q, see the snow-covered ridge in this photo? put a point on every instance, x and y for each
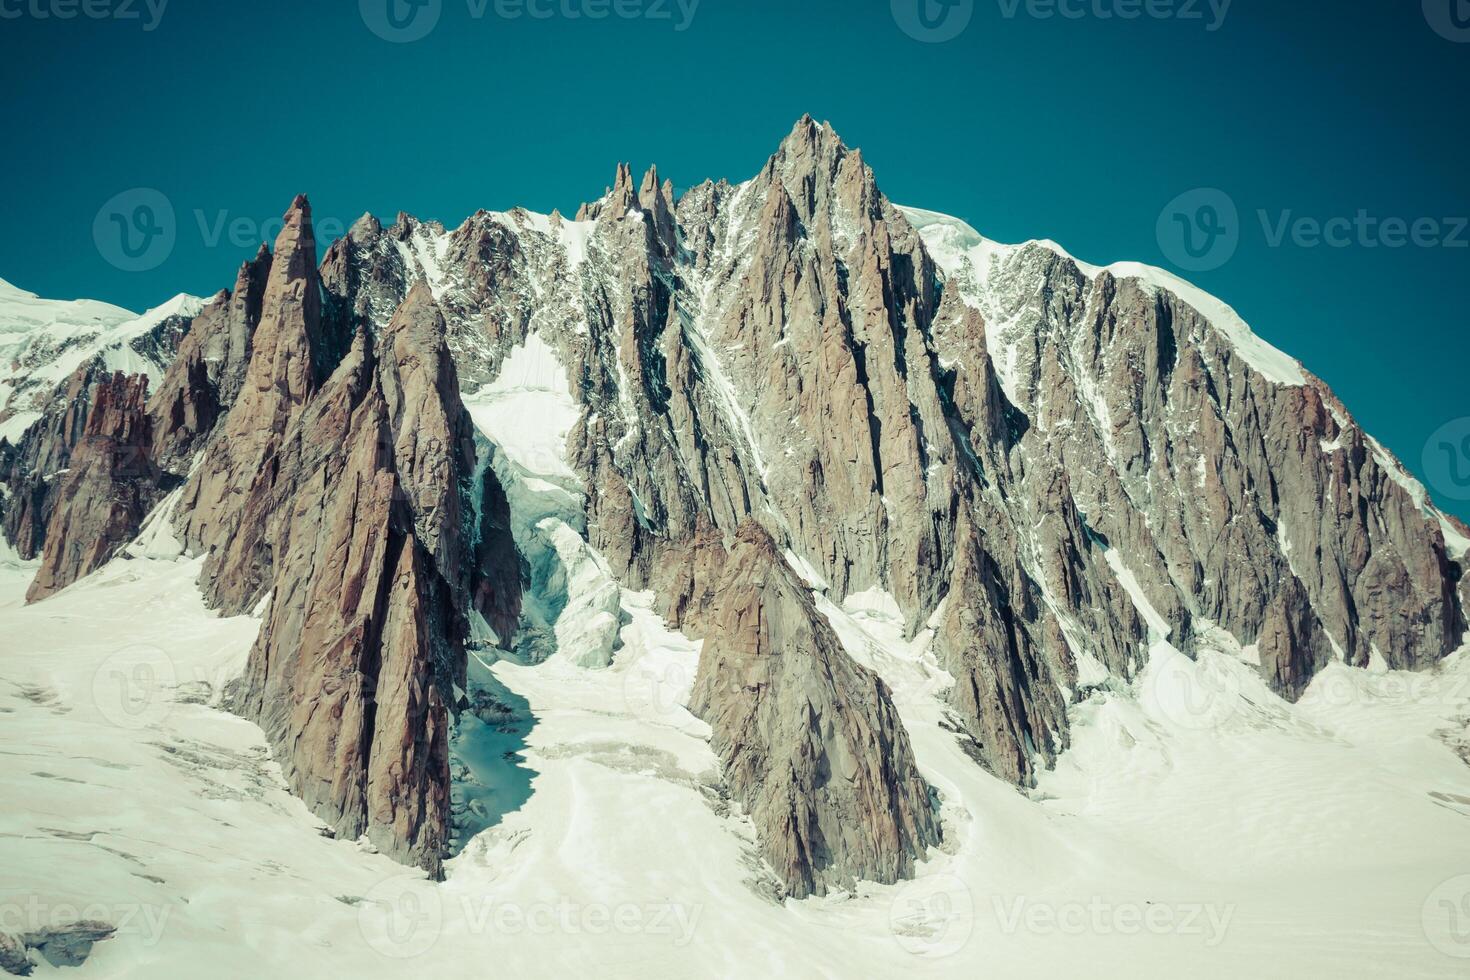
(953, 244)
(22, 311)
(961, 251)
(42, 341)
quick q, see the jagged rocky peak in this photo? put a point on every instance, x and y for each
(287, 354)
(824, 179)
(291, 314)
(31, 469)
(811, 743)
(1214, 466)
(209, 371)
(1051, 468)
(53, 354)
(108, 489)
(656, 201)
(813, 365)
(354, 502)
(624, 196)
(365, 228)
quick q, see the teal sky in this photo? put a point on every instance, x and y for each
(1081, 129)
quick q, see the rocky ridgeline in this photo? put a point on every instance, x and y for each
(1049, 466)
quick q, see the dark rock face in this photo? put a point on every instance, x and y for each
(109, 488)
(810, 741)
(32, 470)
(362, 525)
(222, 511)
(1235, 499)
(13, 956)
(354, 670)
(345, 486)
(59, 945)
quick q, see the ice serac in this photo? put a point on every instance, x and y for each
(108, 489)
(810, 741)
(378, 561)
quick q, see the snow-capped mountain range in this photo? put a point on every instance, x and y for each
(798, 569)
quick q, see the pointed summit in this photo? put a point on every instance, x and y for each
(290, 326)
(657, 201)
(615, 201)
(649, 183)
(807, 136)
(283, 373)
(365, 228)
(816, 168)
(621, 197)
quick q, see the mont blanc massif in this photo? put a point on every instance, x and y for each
(765, 580)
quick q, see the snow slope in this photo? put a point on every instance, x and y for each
(1198, 824)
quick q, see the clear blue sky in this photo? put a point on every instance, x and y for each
(1078, 129)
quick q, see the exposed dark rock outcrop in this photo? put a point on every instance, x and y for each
(810, 741)
(68, 945)
(226, 502)
(208, 374)
(31, 471)
(109, 488)
(1025, 452)
(366, 535)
